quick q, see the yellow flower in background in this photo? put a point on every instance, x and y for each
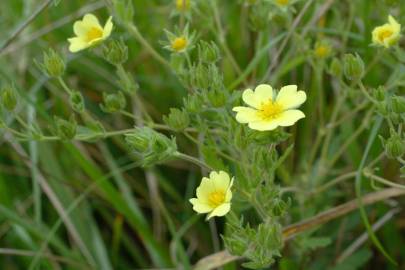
(322, 49)
(387, 34)
(214, 195)
(183, 5)
(89, 32)
(179, 44)
(282, 2)
(269, 110)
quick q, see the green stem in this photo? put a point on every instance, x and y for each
(193, 160)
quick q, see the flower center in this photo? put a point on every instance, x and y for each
(216, 198)
(179, 44)
(322, 51)
(270, 110)
(386, 33)
(282, 2)
(94, 33)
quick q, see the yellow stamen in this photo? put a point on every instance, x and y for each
(270, 110)
(179, 44)
(216, 198)
(386, 33)
(94, 33)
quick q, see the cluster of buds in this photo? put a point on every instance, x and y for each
(150, 146)
(177, 119)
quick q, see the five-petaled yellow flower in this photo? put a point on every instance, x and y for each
(89, 32)
(214, 195)
(387, 34)
(269, 110)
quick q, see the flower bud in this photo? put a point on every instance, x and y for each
(394, 146)
(9, 97)
(150, 146)
(353, 67)
(77, 101)
(208, 52)
(259, 17)
(124, 10)
(65, 129)
(379, 93)
(398, 104)
(193, 103)
(115, 52)
(52, 64)
(335, 68)
(177, 119)
(217, 97)
(113, 102)
(200, 77)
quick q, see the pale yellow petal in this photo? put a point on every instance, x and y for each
(290, 117)
(221, 210)
(290, 98)
(264, 93)
(246, 114)
(264, 125)
(107, 28)
(199, 206)
(95, 41)
(91, 20)
(80, 29)
(392, 21)
(221, 180)
(249, 98)
(205, 189)
(77, 44)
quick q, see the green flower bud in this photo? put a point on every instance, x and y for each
(259, 17)
(9, 97)
(208, 52)
(115, 52)
(394, 146)
(65, 129)
(200, 77)
(177, 63)
(398, 104)
(193, 103)
(52, 64)
(335, 68)
(353, 67)
(379, 93)
(77, 101)
(124, 10)
(177, 119)
(113, 102)
(127, 82)
(150, 146)
(217, 97)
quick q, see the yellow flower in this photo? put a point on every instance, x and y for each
(183, 5)
(282, 2)
(179, 44)
(89, 32)
(214, 195)
(267, 110)
(322, 50)
(387, 34)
